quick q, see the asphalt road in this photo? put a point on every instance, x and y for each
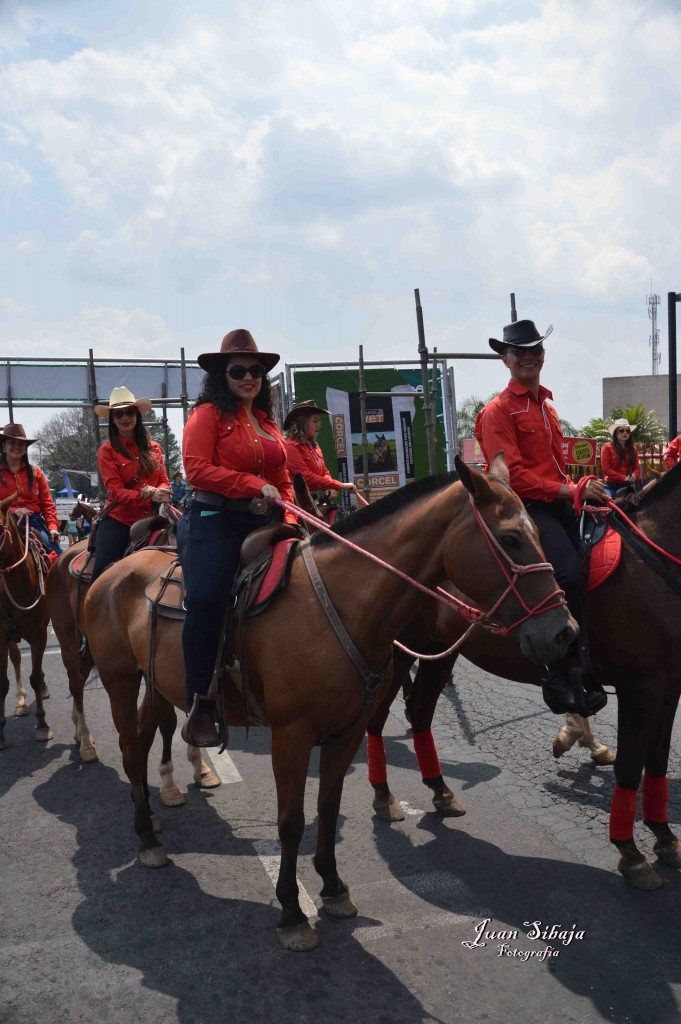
(88, 935)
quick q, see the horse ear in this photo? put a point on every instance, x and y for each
(474, 481)
(4, 505)
(499, 468)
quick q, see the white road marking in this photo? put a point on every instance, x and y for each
(223, 766)
(414, 812)
(269, 852)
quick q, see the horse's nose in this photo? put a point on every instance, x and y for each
(567, 634)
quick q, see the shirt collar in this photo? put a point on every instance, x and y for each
(519, 389)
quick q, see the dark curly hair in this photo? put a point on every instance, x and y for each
(140, 437)
(215, 390)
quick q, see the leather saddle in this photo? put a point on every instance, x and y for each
(153, 531)
(265, 559)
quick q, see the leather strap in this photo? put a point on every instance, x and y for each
(372, 680)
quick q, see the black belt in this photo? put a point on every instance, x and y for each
(253, 505)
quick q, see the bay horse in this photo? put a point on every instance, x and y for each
(65, 598)
(23, 611)
(305, 679)
(634, 605)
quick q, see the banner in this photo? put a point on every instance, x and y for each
(579, 451)
(397, 450)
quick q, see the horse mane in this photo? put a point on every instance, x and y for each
(661, 488)
(386, 506)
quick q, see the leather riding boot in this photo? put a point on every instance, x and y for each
(563, 692)
(200, 729)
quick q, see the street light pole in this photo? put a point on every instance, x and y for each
(672, 299)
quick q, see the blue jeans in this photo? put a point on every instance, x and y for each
(208, 544)
(37, 522)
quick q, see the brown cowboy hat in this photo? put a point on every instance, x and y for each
(308, 408)
(122, 398)
(16, 432)
(237, 343)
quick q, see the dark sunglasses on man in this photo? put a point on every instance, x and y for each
(521, 350)
(238, 372)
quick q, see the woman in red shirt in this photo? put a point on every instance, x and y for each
(234, 457)
(619, 459)
(33, 492)
(133, 474)
(304, 455)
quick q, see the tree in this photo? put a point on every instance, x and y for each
(155, 428)
(466, 416)
(648, 427)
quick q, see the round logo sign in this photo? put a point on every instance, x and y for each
(581, 451)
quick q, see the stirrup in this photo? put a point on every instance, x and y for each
(199, 729)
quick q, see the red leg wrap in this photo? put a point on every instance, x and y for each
(424, 745)
(655, 794)
(376, 760)
(622, 814)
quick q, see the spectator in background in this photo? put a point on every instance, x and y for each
(672, 454)
(619, 458)
(178, 489)
(28, 482)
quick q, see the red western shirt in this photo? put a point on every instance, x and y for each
(528, 432)
(36, 499)
(671, 455)
(118, 474)
(225, 455)
(615, 470)
(305, 457)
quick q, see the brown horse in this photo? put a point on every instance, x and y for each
(23, 612)
(629, 608)
(309, 689)
(65, 597)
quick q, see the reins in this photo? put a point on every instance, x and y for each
(5, 570)
(510, 570)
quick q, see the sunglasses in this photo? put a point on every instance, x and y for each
(120, 414)
(623, 430)
(521, 350)
(237, 372)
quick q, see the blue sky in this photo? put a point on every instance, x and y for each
(172, 170)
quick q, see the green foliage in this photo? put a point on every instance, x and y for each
(648, 427)
(467, 413)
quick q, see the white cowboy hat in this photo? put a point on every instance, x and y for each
(122, 398)
(620, 423)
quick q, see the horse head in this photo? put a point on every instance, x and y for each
(506, 559)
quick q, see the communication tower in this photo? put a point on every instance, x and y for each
(653, 302)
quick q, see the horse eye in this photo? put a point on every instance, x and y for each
(509, 540)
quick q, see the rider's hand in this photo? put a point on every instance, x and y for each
(350, 487)
(147, 492)
(595, 491)
(160, 494)
(270, 492)
(54, 535)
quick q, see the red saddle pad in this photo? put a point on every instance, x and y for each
(605, 557)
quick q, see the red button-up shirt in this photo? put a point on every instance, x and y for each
(36, 499)
(615, 470)
(528, 432)
(671, 455)
(306, 458)
(118, 474)
(224, 454)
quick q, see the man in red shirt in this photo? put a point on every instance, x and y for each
(523, 423)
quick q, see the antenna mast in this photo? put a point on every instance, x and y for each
(653, 301)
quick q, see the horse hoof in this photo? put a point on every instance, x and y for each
(89, 755)
(341, 905)
(670, 854)
(603, 757)
(173, 797)
(20, 710)
(154, 857)
(299, 938)
(640, 876)
(388, 810)
(207, 779)
(449, 806)
(43, 734)
(559, 748)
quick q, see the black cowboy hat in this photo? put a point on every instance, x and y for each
(522, 332)
(16, 432)
(237, 343)
(308, 408)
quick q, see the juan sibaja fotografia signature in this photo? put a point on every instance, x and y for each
(504, 938)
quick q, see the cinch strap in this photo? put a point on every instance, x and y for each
(424, 745)
(378, 774)
(655, 794)
(622, 814)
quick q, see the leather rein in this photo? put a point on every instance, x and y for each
(510, 570)
(6, 533)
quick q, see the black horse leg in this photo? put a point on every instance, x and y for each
(4, 689)
(334, 762)
(37, 680)
(667, 846)
(169, 792)
(430, 681)
(290, 759)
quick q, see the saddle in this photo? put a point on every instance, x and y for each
(153, 531)
(600, 550)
